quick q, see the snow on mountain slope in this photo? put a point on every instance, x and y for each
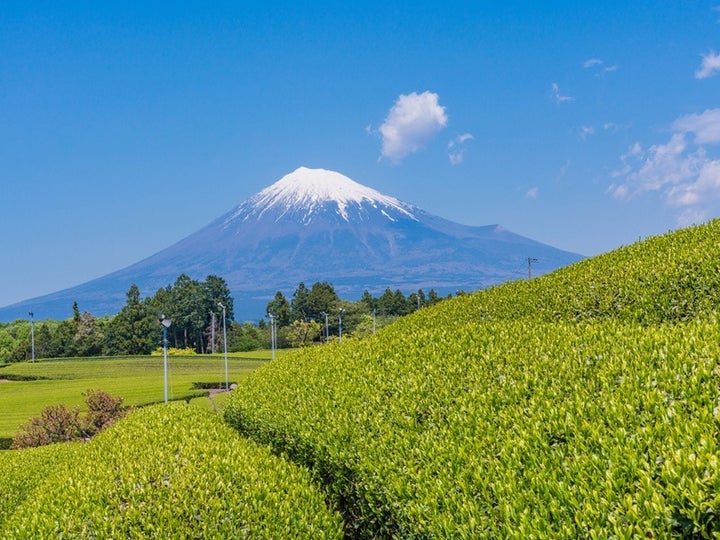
(304, 193)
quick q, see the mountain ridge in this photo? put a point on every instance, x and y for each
(316, 225)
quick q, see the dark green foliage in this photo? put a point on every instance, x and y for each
(280, 308)
(135, 329)
(188, 303)
(245, 337)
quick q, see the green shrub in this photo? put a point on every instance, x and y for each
(59, 423)
(56, 423)
(583, 404)
(103, 411)
(174, 351)
(173, 471)
(22, 472)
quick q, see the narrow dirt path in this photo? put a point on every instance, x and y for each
(212, 392)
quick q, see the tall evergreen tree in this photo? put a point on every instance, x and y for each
(134, 330)
(279, 307)
(300, 305)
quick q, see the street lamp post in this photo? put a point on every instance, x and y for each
(273, 337)
(212, 332)
(327, 327)
(227, 382)
(165, 324)
(32, 335)
(340, 314)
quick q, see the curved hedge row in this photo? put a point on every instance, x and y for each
(668, 278)
(170, 471)
(580, 404)
(21, 472)
(504, 429)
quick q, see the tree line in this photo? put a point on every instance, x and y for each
(312, 315)
(136, 329)
(318, 314)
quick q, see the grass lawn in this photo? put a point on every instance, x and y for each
(138, 379)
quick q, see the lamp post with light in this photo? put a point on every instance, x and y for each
(340, 314)
(165, 324)
(327, 327)
(227, 383)
(32, 335)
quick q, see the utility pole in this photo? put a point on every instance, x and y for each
(32, 335)
(212, 332)
(327, 328)
(530, 260)
(340, 314)
(272, 334)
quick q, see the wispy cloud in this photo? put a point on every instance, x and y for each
(557, 96)
(705, 126)
(598, 66)
(592, 62)
(532, 193)
(586, 131)
(681, 170)
(410, 124)
(456, 148)
(710, 65)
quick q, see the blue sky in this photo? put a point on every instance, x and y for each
(125, 126)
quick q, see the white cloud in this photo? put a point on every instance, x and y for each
(705, 126)
(592, 62)
(586, 131)
(410, 124)
(598, 66)
(709, 67)
(532, 193)
(456, 148)
(557, 96)
(681, 170)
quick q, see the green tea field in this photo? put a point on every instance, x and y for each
(581, 404)
(25, 388)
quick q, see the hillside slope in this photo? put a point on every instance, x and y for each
(581, 404)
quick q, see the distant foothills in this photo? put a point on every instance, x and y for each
(315, 225)
(194, 308)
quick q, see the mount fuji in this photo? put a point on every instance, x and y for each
(317, 225)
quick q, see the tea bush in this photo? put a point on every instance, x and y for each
(583, 404)
(171, 471)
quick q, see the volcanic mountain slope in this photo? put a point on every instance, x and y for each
(318, 225)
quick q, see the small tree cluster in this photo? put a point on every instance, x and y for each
(302, 320)
(59, 423)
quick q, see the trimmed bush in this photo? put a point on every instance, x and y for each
(583, 404)
(22, 472)
(173, 471)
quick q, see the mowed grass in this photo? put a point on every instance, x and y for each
(138, 379)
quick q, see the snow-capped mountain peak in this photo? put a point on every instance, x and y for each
(308, 191)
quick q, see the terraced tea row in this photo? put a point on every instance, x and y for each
(581, 404)
(510, 429)
(172, 471)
